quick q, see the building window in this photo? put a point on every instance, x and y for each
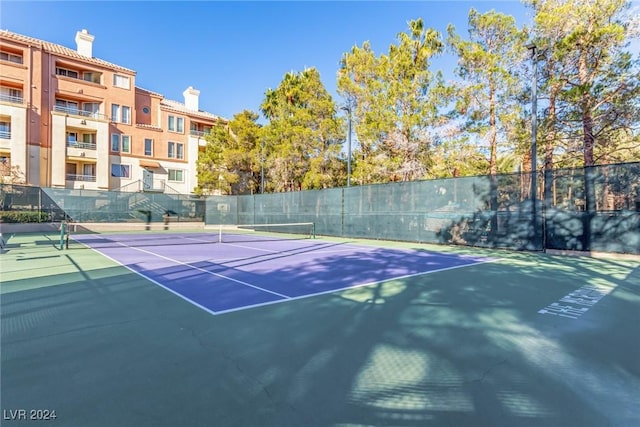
(10, 94)
(176, 150)
(126, 143)
(11, 57)
(91, 76)
(115, 112)
(126, 115)
(176, 124)
(120, 114)
(176, 175)
(120, 171)
(115, 142)
(71, 169)
(5, 130)
(148, 147)
(146, 110)
(89, 140)
(121, 81)
(89, 170)
(67, 73)
(72, 138)
(91, 108)
(65, 106)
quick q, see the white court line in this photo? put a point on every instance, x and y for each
(222, 276)
(286, 298)
(251, 247)
(179, 295)
(245, 307)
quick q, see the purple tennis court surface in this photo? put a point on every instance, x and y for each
(224, 277)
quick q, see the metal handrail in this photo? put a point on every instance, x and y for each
(157, 185)
(198, 133)
(85, 178)
(77, 112)
(82, 145)
(12, 99)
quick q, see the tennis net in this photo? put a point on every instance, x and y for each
(264, 232)
(154, 234)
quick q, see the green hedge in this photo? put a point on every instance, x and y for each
(22, 216)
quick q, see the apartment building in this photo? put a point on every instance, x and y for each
(70, 120)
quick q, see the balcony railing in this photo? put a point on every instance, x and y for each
(11, 99)
(5, 134)
(85, 178)
(77, 112)
(198, 133)
(82, 145)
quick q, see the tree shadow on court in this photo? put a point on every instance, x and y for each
(470, 351)
(463, 347)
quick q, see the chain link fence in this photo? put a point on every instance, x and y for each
(583, 209)
(485, 211)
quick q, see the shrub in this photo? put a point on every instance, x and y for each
(22, 216)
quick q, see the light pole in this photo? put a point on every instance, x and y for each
(262, 167)
(348, 110)
(534, 129)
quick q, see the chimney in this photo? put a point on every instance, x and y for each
(84, 40)
(191, 98)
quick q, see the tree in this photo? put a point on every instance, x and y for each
(11, 174)
(486, 97)
(601, 75)
(395, 104)
(242, 155)
(593, 86)
(486, 64)
(303, 137)
(211, 169)
(230, 161)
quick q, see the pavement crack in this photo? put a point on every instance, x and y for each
(486, 372)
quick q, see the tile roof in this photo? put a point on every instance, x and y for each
(65, 51)
(181, 108)
(150, 92)
(60, 50)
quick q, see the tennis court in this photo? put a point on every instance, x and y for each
(222, 277)
(191, 329)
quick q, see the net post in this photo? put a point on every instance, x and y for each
(63, 231)
(313, 230)
(220, 234)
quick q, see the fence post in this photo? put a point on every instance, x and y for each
(63, 232)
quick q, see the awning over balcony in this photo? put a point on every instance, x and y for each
(149, 164)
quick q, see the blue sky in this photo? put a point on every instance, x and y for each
(234, 51)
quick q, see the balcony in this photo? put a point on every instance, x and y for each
(81, 145)
(11, 99)
(83, 178)
(76, 112)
